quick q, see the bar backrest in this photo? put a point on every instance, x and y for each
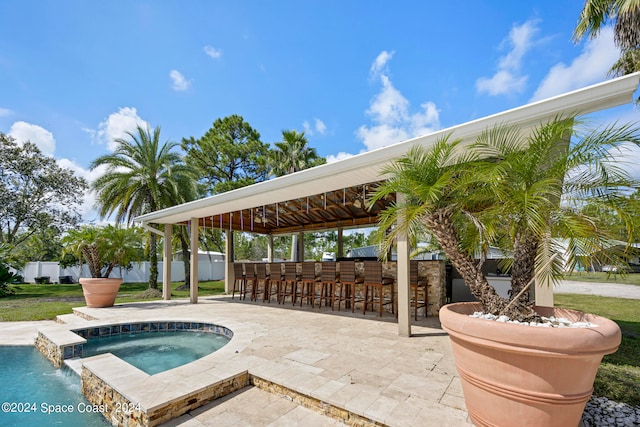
(238, 270)
(328, 271)
(413, 272)
(261, 271)
(290, 274)
(372, 272)
(249, 270)
(275, 271)
(347, 272)
(308, 271)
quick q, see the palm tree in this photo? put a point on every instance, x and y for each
(516, 192)
(293, 154)
(104, 248)
(435, 202)
(626, 15)
(142, 176)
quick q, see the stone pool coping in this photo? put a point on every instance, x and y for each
(130, 396)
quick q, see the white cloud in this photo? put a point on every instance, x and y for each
(5, 112)
(508, 78)
(340, 156)
(591, 66)
(318, 127)
(116, 126)
(87, 209)
(628, 159)
(379, 63)
(23, 132)
(213, 52)
(178, 81)
(501, 83)
(390, 113)
(321, 128)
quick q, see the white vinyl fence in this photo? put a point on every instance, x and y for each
(207, 270)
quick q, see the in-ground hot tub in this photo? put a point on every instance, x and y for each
(155, 347)
(129, 394)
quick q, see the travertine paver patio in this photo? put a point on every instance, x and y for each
(350, 361)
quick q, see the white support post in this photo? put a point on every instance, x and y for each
(194, 261)
(544, 293)
(300, 248)
(402, 266)
(270, 248)
(543, 289)
(294, 248)
(166, 263)
(228, 264)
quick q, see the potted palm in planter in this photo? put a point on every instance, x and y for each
(519, 191)
(102, 249)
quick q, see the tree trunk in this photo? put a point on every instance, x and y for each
(441, 225)
(109, 269)
(92, 258)
(523, 269)
(153, 262)
(184, 243)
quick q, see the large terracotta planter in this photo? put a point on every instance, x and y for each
(523, 375)
(100, 292)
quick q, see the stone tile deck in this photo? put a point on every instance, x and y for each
(339, 360)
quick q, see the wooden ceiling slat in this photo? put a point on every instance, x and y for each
(332, 209)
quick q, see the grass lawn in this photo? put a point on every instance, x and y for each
(618, 377)
(600, 277)
(44, 302)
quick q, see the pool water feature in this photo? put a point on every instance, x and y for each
(33, 392)
(154, 352)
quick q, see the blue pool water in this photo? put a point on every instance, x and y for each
(157, 351)
(34, 393)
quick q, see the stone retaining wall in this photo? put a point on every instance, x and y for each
(122, 411)
(324, 408)
(116, 408)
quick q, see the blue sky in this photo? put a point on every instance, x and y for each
(356, 75)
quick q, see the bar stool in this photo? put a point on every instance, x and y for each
(308, 281)
(239, 280)
(249, 280)
(373, 281)
(346, 286)
(418, 287)
(261, 286)
(327, 283)
(275, 281)
(289, 286)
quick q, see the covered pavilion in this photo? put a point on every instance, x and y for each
(333, 196)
